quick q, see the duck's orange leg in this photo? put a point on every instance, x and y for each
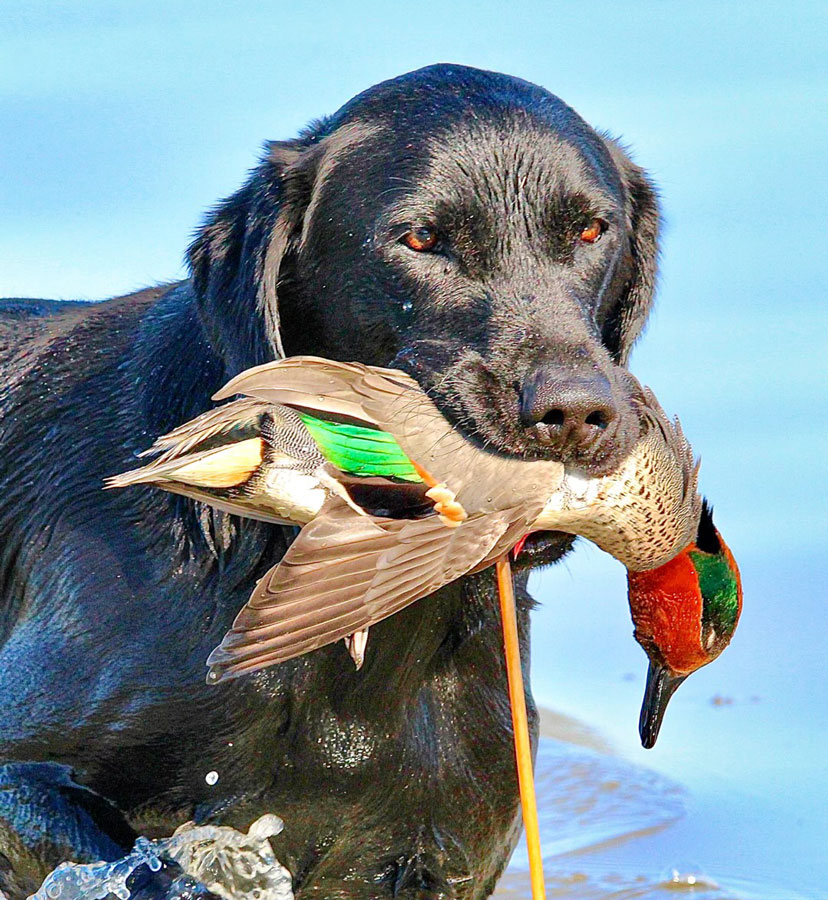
(520, 725)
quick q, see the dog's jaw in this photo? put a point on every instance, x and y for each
(542, 548)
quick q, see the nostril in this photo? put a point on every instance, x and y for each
(598, 419)
(566, 409)
(554, 417)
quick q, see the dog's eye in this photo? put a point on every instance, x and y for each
(422, 240)
(593, 231)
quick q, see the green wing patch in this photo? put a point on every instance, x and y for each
(360, 450)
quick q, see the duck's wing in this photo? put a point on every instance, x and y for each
(381, 397)
(346, 572)
(366, 420)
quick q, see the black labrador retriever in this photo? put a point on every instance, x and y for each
(463, 225)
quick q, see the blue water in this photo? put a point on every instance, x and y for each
(122, 122)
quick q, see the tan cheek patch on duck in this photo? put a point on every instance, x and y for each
(227, 467)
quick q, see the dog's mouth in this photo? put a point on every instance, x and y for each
(485, 409)
(542, 548)
(477, 404)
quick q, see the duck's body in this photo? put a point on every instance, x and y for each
(396, 502)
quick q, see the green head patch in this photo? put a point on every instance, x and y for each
(719, 586)
(718, 580)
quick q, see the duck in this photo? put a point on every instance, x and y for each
(394, 502)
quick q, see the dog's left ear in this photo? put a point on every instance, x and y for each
(238, 257)
(625, 323)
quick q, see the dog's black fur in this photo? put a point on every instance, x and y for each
(396, 780)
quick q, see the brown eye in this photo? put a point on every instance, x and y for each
(593, 231)
(420, 239)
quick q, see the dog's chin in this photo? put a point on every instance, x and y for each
(542, 548)
(599, 458)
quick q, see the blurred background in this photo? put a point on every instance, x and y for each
(122, 121)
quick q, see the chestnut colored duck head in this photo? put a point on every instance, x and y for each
(685, 613)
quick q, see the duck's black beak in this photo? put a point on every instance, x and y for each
(661, 685)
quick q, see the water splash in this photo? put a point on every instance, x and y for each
(231, 864)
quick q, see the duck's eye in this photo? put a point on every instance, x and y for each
(593, 231)
(423, 240)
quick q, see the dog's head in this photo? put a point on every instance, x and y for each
(463, 225)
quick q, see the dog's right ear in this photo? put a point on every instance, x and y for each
(239, 254)
(630, 314)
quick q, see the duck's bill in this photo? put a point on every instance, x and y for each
(661, 685)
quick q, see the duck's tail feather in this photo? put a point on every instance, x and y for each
(233, 421)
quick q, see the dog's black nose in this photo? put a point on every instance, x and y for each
(569, 412)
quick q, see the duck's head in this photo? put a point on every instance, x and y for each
(685, 613)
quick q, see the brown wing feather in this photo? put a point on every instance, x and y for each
(313, 374)
(345, 572)
(394, 402)
(378, 396)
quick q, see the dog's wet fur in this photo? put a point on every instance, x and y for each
(399, 779)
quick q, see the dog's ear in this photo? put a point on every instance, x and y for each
(239, 254)
(638, 278)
